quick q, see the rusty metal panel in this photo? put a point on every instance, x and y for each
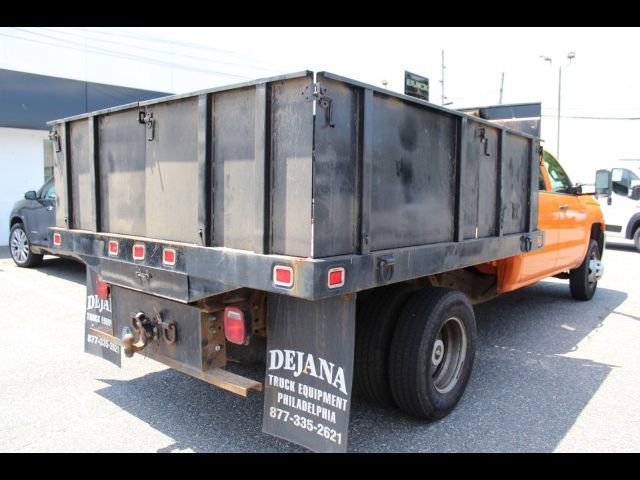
(234, 157)
(171, 186)
(335, 190)
(121, 147)
(196, 334)
(292, 167)
(413, 192)
(83, 168)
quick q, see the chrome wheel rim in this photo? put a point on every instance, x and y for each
(448, 354)
(595, 269)
(19, 246)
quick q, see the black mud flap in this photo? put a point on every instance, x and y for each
(309, 373)
(99, 317)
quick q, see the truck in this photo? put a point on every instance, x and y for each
(336, 231)
(618, 193)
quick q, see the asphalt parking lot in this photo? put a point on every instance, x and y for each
(551, 374)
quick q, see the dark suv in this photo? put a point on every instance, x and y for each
(30, 220)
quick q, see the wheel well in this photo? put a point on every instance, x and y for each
(15, 220)
(598, 235)
(633, 229)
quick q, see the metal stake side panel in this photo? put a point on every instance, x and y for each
(254, 168)
(337, 162)
(228, 167)
(236, 120)
(122, 164)
(291, 123)
(393, 172)
(83, 185)
(171, 172)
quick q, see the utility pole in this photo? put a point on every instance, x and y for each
(570, 56)
(442, 97)
(559, 96)
(501, 88)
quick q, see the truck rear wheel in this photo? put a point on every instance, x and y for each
(432, 352)
(636, 239)
(376, 321)
(584, 279)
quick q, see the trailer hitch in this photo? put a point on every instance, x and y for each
(146, 329)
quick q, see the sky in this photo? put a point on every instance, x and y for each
(603, 80)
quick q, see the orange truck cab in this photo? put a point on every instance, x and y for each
(574, 237)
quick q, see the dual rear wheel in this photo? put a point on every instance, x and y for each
(415, 348)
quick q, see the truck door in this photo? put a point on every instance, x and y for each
(43, 216)
(570, 217)
(619, 207)
(541, 263)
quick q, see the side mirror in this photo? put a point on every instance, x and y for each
(603, 182)
(30, 195)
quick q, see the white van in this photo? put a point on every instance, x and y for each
(618, 192)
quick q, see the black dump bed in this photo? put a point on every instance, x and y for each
(323, 171)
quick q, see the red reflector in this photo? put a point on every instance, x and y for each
(234, 325)
(283, 276)
(169, 256)
(57, 239)
(138, 252)
(102, 289)
(114, 247)
(335, 277)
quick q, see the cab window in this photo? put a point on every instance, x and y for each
(560, 182)
(541, 184)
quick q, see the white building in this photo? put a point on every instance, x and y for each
(27, 102)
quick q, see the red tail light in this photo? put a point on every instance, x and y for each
(283, 276)
(138, 251)
(57, 239)
(235, 326)
(103, 290)
(335, 277)
(169, 256)
(114, 248)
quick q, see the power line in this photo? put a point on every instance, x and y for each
(111, 53)
(593, 118)
(128, 45)
(121, 33)
(129, 56)
(118, 32)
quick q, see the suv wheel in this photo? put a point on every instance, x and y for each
(21, 248)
